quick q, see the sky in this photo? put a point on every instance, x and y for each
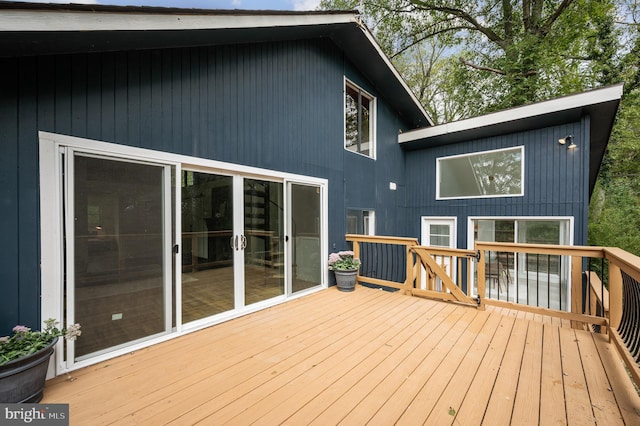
(202, 4)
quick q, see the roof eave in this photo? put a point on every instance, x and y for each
(39, 29)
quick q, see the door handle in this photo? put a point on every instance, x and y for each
(238, 242)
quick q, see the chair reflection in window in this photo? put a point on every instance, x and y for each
(497, 275)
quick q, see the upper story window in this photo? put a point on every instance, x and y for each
(359, 120)
(497, 173)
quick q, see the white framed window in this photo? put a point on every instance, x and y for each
(361, 222)
(359, 120)
(495, 173)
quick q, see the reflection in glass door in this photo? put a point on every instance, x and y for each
(263, 240)
(207, 256)
(305, 252)
(119, 272)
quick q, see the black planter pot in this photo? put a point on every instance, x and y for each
(22, 380)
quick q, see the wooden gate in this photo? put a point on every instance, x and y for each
(447, 270)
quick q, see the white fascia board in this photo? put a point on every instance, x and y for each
(39, 20)
(579, 100)
(395, 72)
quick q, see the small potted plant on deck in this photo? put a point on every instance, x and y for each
(345, 267)
(24, 359)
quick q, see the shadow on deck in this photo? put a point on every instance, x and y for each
(353, 358)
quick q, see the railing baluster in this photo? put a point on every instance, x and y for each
(549, 280)
(560, 282)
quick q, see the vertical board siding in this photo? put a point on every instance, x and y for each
(554, 180)
(272, 105)
(9, 278)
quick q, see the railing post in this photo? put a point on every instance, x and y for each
(408, 285)
(576, 289)
(615, 296)
(356, 255)
(482, 290)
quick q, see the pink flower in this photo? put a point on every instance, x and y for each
(21, 329)
(333, 258)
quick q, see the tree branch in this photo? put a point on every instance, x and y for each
(428, 6)
(493, 70)
(480, 67)
(546, 27)
(426, 36)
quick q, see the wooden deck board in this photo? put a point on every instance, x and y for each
(451, 399)
(471, 409)
(388, 401)
(500, 406)
(526, 406)
(576, 393)
(551, 380)
(341, 398)
(425, 399)
(363, 357)
(604, 406)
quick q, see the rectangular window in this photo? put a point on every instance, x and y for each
(361, 222)
(497, 173)
(359, 120)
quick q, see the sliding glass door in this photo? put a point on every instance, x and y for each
(119, 273)
(262, 240)
(150, 247)
(305, 231)
(208, 275)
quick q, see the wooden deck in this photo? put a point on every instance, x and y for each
(364, 357)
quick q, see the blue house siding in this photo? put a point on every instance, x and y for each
(556, 180)
(271, 105)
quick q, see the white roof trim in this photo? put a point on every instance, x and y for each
(44, 20)
(584, 99)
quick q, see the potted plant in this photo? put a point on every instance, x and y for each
(24, 360)
(345, 267)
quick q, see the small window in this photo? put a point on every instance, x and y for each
(361, 222)
(498, 173)
(359, 120)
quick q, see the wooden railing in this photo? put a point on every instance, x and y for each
(448, 274)
(519, 276)
(613, 308)
(385, 260)
(540, 278)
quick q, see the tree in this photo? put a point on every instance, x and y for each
(492, 56)
(463, 58)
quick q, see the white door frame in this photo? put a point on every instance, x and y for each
(51, 149)
(452, 222)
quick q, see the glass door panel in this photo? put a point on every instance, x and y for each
(119, 252)
(306, 259)
(263, 240)
(207, 256)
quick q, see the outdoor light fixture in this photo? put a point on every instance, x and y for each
(567, 139)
